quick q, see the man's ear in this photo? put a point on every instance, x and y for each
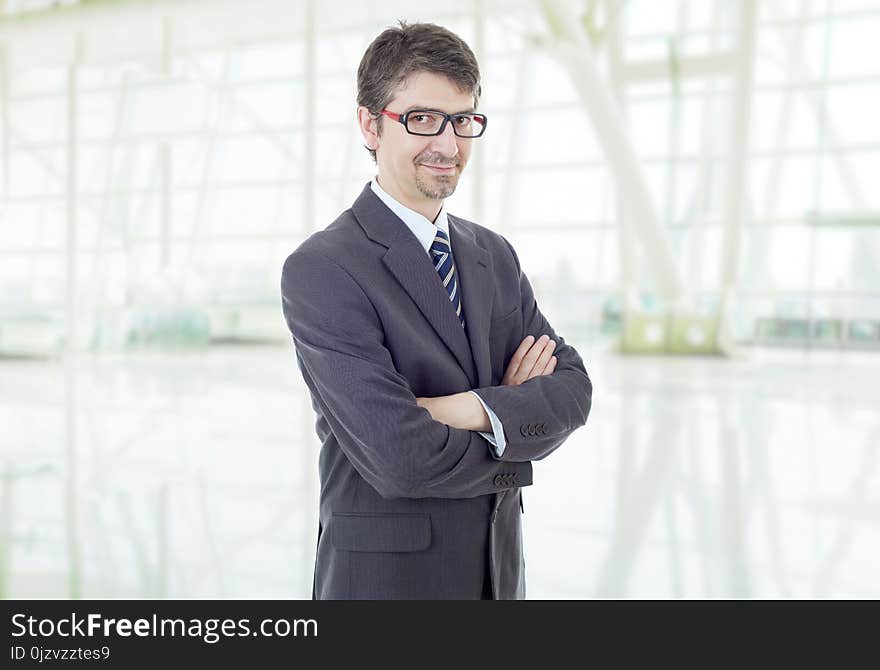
(369, 127)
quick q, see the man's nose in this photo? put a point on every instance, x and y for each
(446, 142)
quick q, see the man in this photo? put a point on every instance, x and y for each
(434, 377)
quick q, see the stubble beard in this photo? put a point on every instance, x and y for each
(437, 187)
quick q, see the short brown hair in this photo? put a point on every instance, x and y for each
(418, 47)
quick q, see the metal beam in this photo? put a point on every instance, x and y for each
(4, 116)
(627, 247)
(71, 343)
(165, 163)
(735, 195)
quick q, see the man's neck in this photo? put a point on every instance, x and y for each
(428, 208)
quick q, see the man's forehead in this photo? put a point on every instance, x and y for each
(426, 90)
(437, 108)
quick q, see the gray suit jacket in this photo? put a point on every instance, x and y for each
(411, 507)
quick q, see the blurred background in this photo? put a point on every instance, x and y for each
(691, 186)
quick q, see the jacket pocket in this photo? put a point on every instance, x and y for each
(380, 532)
(506, 315)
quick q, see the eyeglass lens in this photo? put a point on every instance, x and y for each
(427, 123)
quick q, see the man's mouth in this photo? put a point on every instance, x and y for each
(439, 169)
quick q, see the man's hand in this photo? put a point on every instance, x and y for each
(531, 359)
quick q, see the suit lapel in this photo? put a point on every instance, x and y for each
(411, 266)
(474, 266)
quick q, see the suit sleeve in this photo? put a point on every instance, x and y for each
(393, 443)
(539, 414)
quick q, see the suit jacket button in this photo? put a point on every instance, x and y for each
(514, 478)
(497, 480)
(543, 428)
(531, 429)
(523, 430)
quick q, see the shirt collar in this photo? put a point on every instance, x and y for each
(421, 227)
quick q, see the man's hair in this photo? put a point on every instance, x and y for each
(418, 47)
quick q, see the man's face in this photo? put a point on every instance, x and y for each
(417, 170)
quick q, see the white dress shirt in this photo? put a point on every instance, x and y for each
(425, 232)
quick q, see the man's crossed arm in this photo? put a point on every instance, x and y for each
(462, 410)
(372, 411)
(542, 410)
(392, 441)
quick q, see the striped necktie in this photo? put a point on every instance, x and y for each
(443, 263)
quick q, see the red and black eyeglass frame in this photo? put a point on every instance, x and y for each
(402, 118)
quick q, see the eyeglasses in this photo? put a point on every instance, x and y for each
(432, 122)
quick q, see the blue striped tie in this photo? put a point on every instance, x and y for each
(443, 263)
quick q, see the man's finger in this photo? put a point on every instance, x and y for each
(543, 359)
(529, 360)
(516, 359)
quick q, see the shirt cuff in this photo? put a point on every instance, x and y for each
(495, 438)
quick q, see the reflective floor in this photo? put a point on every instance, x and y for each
(195, 475)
